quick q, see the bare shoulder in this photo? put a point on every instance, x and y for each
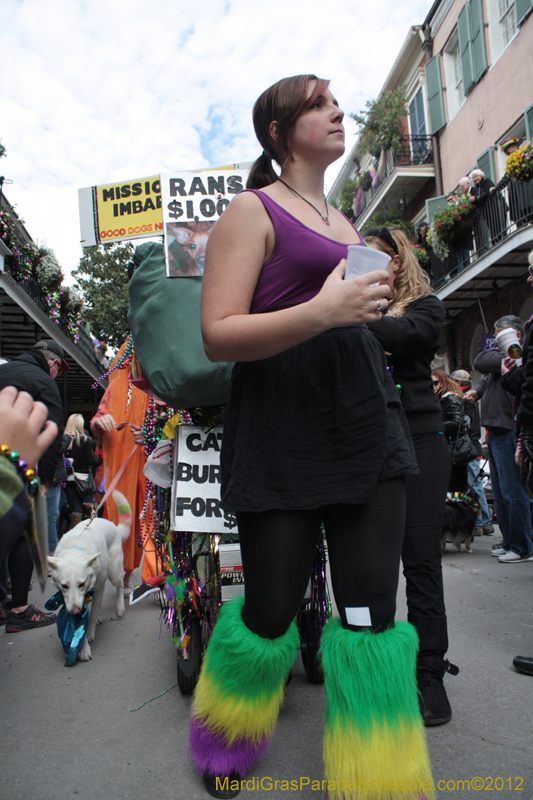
(244, 218)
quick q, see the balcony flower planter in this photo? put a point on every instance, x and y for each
(519, 165)
(449, 225)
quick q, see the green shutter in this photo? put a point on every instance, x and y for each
(432, 204)
(434, 89)
(522, 9)
(484, 162)
(465, 48)
(477, 36)
(528, 117)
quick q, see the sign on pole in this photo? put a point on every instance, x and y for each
(196, 485)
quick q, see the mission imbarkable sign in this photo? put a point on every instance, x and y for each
(139, 208)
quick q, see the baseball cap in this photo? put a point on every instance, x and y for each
(51, 346)
(460, 375)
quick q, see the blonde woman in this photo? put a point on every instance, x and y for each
(410, 335)
(80, 450)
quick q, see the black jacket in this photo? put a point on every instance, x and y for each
(496, 402)
(410, 343)
(452, 411)
(519, 382)
(82, 454)
(30, 373)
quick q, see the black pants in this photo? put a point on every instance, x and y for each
(75, 502)
(421, 553)
(364, 545)
(13, 544)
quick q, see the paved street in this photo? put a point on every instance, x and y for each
(70, 733)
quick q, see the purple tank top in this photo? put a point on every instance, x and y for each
(299, 264)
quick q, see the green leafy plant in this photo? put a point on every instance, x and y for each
(102, 278)
(390, 218)
(347, 195)
(421, 256)
(519, 165)
(381, 125)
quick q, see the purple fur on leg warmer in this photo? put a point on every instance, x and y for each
(213, 756)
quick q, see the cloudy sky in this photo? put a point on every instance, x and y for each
(96, 91)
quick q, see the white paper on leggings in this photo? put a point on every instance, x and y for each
(358, 616)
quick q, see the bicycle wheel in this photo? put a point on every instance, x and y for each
(189, 668)
(309, 646)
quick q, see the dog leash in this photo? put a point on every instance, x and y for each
(117, 477)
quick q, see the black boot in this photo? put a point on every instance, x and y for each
(432, 699)
(430, 668)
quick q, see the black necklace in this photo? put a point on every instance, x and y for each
(325, 218)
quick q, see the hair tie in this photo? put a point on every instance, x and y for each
(267, 155)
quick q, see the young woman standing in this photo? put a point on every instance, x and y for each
(314, 433)
(410, 335)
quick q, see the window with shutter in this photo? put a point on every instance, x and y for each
(433, 204)
(528, 117)
(434, 92)
(465, 48)
(484, 163)
(523, 7)
(479, 59)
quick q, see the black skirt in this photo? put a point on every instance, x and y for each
(318, 424)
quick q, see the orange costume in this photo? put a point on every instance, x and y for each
(125, 403)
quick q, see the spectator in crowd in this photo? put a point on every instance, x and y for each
(519, 382)
(511, 498)
(465, 185)
(35, 373)
(79, 448)
(452, 412)
(493, 210)
(520, 192)
(471, 409)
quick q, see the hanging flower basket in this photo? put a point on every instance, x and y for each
(519, 165)
(449, 224)
(421, 256)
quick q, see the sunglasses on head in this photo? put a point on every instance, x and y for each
(385, 235)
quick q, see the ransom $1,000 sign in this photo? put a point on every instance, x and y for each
(196, 484)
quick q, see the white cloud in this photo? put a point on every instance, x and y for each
(94, 91)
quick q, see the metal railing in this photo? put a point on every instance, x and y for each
(413, 151)
(507, 209)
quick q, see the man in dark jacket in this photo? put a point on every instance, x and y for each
(511, 499)
(32, 372)
(519, 382)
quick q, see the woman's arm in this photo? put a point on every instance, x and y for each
(452, 413)
(235, 254)
(418, 330)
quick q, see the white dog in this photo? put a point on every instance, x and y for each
(83, 560)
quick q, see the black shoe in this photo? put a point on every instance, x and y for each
(433, 700)
(217, 786)
(523, 664)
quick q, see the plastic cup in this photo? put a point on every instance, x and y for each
(361, 260)
(507, 341)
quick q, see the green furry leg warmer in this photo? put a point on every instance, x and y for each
(238, 695)
(374, 738)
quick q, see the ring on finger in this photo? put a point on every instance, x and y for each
(379, 307)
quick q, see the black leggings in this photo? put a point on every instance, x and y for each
(75, 502)
(13, 544)
(421, 553)
(364, 546)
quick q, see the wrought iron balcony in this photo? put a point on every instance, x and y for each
(506, 210)
(414, 151)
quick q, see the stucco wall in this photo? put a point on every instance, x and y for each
(492, 106)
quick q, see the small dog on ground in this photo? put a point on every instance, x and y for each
(84, 559)
(458, 524)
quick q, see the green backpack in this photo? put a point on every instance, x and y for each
(164, 317)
